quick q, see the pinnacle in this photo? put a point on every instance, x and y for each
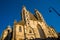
(24, 7)
(36, 10)
(15, 21)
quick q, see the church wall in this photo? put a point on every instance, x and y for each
(19, 32)
(33, 25)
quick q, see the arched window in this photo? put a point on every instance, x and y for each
(30, 31)
(20, 29)
(41, 32)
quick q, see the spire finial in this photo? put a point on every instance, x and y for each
(24, 7)
(36, 10)
(15, 21)
(8, 25)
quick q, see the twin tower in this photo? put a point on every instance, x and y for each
(30, 27)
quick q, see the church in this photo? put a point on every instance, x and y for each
(30, 27)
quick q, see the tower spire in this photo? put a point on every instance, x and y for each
(23, 12)
(39, 16)
(23, 8)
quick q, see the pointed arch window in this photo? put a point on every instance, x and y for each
(20, 29)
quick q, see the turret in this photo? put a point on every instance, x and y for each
(39, 16)
(23, 13)
(6, 33)
(9, 29)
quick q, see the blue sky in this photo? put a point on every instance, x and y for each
(11, 10)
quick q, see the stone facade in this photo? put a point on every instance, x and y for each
(30, 27)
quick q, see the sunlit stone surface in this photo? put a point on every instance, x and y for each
(30, 27)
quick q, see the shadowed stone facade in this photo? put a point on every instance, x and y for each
(30, 27)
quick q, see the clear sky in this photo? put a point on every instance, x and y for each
(11, 9)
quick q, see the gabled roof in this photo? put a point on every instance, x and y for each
(32, 17)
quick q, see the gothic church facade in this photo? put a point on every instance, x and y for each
(30, 27)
